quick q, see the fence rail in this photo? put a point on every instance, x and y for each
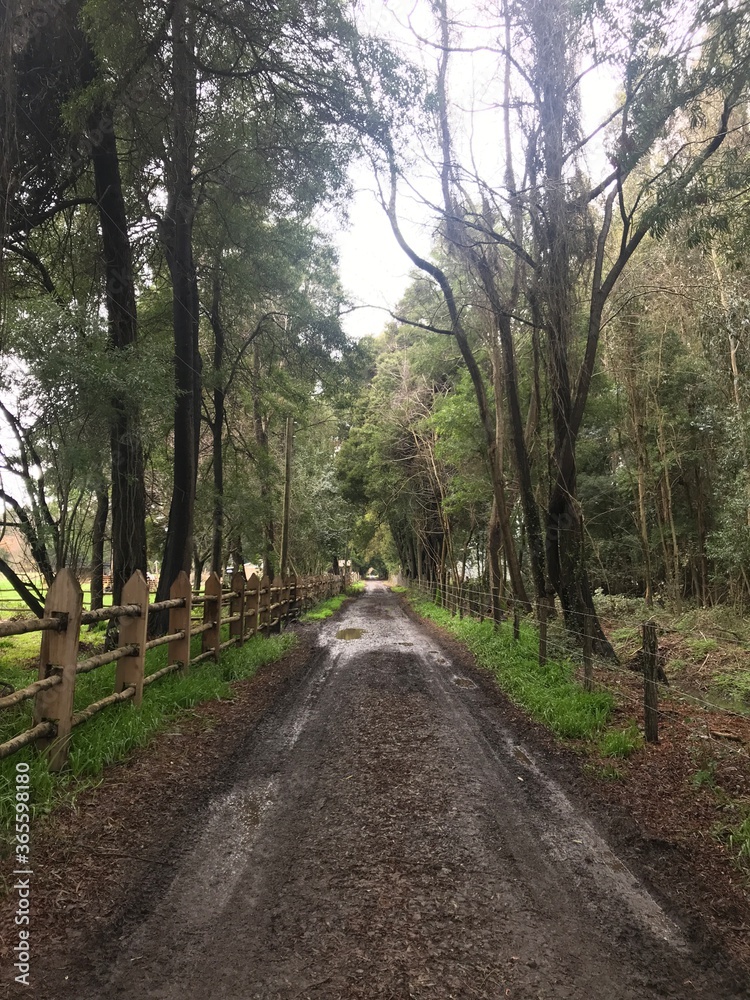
(254, 606)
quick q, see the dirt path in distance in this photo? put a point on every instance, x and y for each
(383, 835)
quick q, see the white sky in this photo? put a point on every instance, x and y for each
(374, 270)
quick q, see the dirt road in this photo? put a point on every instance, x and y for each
(384, 836)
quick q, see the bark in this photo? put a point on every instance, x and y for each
(97, 547)
(494, 543)
(177, 236)
(199, 561)
(288, 497)
(128, 481)
(217, 427)
(554, 301)
(264, 464)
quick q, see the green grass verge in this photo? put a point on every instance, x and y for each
(329, 607)
(116, 731)
(550, 693)
(396, 589)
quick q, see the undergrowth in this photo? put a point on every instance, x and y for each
(549, 693)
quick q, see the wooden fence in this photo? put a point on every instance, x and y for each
(254, 606)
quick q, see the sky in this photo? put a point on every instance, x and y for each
(374, 270)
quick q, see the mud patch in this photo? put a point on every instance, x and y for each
(350, 633)
(463, 682)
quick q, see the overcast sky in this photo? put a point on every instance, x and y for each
(374, 270)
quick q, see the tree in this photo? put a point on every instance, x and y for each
(547, 251)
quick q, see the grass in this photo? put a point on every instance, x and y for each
(328, 608)
(396, 589)
(739, 840)
(734, 686)
(621, 743)
(604, 772)
(705, 777)
(549, 693)
(115, 732)
(700, 648)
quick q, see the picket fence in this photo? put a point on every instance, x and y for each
(254, 605)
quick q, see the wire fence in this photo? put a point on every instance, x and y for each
(562, 640)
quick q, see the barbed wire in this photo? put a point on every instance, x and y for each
(557, 631)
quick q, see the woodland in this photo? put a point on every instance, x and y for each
(558, 404)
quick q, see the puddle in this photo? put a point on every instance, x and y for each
(463, 682)
(350, 633)
(520, 755)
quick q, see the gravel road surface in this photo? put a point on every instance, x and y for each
(385, 836)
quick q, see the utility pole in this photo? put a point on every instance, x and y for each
(287, 497)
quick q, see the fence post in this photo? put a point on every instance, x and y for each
(543, 613)
(178, 650)
(516, 621)
(133, 629)
(58, 655)
(237, 607)
(264, 615)
(588, 648)
(650, 690)
(292, 610)
(212, 613)
(252, 599)
(274, 614)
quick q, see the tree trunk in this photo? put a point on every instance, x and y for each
(29, 599)
(177, 234)
(217, 428)
(554, 300)
(494, 544)
(287, 496)
(97, 547)
(199, 561)
(128, 478)
(264, 468)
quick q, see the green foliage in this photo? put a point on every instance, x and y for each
(705, 777)
(735, 685)
(604, 772)
(326, 609)
(628, 633)
(549, 693)
(700, 648)
(739, 841)
(621, 742)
